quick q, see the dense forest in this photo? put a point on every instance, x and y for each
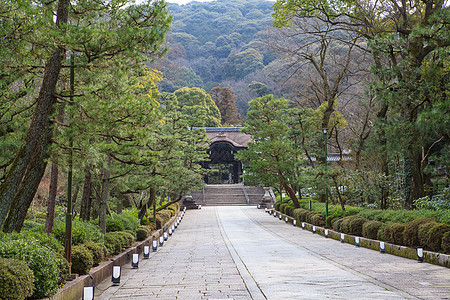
(219, 43)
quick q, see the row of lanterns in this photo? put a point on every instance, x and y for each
(419, 251)
(88, 292)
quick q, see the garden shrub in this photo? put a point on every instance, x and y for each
(435, 236)
(113, 243)
(42, 261)
(329, 221)
(282, 207)
(97, 251)
(128, 237)
(303, 215)
(422, 233)
(446, 242)
(352, 225)
(82, 260)
(142, 233)
(393, 233)
(317, 219)
(309, 216)
(165, 215)
(113, 225)
(289, 210)
(42, 238)
(29, 225)
(276, 205)
(337, 224)
(81, 232)
(16, 279)
(129, 221)
(410, 234)
(159, 221)
(174, 208)
(380, 234)
(370, 229)
(151, 227)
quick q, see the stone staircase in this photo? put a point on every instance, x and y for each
(228, 195)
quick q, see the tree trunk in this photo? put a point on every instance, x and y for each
(51, 199)
(22, 180)
(85, 212)
(291, 193)
(105, 195)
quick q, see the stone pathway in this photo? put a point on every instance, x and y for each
(243, 253)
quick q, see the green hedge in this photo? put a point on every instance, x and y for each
(44, 263)
(446, 242)
(410, 235)
(393, 233)
(370, 229)
(97, 251)
(422, 233)
(114, 225)
(16, 279)
(435, 235)
(142, 233)
(81, 232)
(82, 260)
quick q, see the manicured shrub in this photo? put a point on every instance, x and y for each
(82, 260)
(393, 233)
(165, 215)
(317, 219)
(129, 221)
(337, 224)
(276, 205)
(282, 207)
(173, 208)
(129, 238)
(296, 213)
(42, 261)
(410, 234)
(151, 227)
(159, 221)
(16, 279)
(309, 216)
(97, 251)
(113, 225)
(303, 215)
(42, 238)
(422, 233)
(370, 229)
(446, 242)
(113, 243)
(435, 236)
(380, 234)
(289, 210)
(81, 232)
(142, 233)
(352, 225)
(329, 221)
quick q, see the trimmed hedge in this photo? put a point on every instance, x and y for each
(165, 216)
(435, 234)
(142, 233)
(410, 235)
(352, 225)
(114, 225)
(446, 242)
(276, 205)
(393, 233)
(82, 260)
(16, 279)
(43, 261)
(370, 229)
(81, 232)
(318, 220)
(422, 233)
(289, 210)
(282, 207)
(97, 251)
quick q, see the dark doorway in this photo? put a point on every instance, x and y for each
(226, 169)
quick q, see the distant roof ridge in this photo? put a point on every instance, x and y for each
(222, 129)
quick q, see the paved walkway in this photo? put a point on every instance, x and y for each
(244, 253)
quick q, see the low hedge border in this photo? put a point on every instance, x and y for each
(74, 289)
(403, 251)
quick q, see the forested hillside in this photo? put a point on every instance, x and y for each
(219, 43)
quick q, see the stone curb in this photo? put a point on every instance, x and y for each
(74, 289)
(403, 251)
